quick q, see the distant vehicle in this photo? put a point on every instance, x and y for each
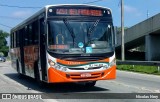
(3, 59)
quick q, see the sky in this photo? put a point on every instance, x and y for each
(135, 11)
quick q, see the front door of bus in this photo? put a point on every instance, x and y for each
(42, 48)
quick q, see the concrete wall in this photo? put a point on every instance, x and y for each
(141, 29)
(148, 32)
(152, 47)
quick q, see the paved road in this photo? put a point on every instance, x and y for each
(126, 82)
(11, 82)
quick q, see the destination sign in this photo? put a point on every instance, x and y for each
(79, 12)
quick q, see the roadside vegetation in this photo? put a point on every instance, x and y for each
(3, 43)
(140, 69)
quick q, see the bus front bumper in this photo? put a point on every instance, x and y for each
(56, 76)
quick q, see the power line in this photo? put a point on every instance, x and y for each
(13, 6)
(7, 17)
(5, 25)
(19, 6)
(92, 1)
(30, 8)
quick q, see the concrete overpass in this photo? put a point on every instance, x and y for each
(145, 33)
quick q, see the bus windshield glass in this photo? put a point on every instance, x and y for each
(78, 37)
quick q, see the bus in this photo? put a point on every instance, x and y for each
(65, 43)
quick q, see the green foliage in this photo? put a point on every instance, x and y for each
(3, 43)
(119, 29)
(1, 54)
(139, 68)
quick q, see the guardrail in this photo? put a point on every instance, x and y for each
(146, 63)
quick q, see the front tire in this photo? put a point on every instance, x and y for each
(37, 76)
(90, 84)
(17, 67)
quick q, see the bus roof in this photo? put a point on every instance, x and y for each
(58, 5)
(47, 6)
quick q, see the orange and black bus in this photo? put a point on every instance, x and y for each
(65, 43)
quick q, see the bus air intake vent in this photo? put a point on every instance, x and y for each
(78, 76)
(90, 68)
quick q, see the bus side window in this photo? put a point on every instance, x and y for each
(21, 37)
(42, 26)
(30, 35)
(26, 36)
(35, 32)
(14, 40)
(42, 30)
(17, 39)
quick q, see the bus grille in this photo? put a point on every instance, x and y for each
(78, 76)
(90, 68)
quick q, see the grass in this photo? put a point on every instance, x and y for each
(140, 69)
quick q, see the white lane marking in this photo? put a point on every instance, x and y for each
(136, 87)
(141, 74)
(18, 85)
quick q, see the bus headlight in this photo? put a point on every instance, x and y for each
(52, 63)
(64, 69)
(61, 68)
(57, 66)
(112, 63)
(105, 66)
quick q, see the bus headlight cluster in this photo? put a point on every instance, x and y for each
(60, 67)
(64, 69)
(52, 63)
(112, 63)
(105, 66)
(57, 66)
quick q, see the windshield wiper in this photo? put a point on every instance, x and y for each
(91, 29)
(69, 29)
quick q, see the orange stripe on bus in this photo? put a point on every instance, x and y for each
(78, 62)
(70, 62)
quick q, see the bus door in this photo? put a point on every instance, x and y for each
(42, 48)
(21, 44)
(20, 52)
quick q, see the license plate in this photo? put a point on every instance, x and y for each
(85, 75)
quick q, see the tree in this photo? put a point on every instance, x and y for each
(119, 29)
(3, 42)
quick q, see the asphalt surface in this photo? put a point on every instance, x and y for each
(126, 82)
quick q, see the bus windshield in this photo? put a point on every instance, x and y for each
(78, 37)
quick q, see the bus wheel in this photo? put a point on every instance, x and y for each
(17, 66)
(20, 76)
(37, 76)
(90, 84)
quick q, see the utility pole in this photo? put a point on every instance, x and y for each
(122, 31)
